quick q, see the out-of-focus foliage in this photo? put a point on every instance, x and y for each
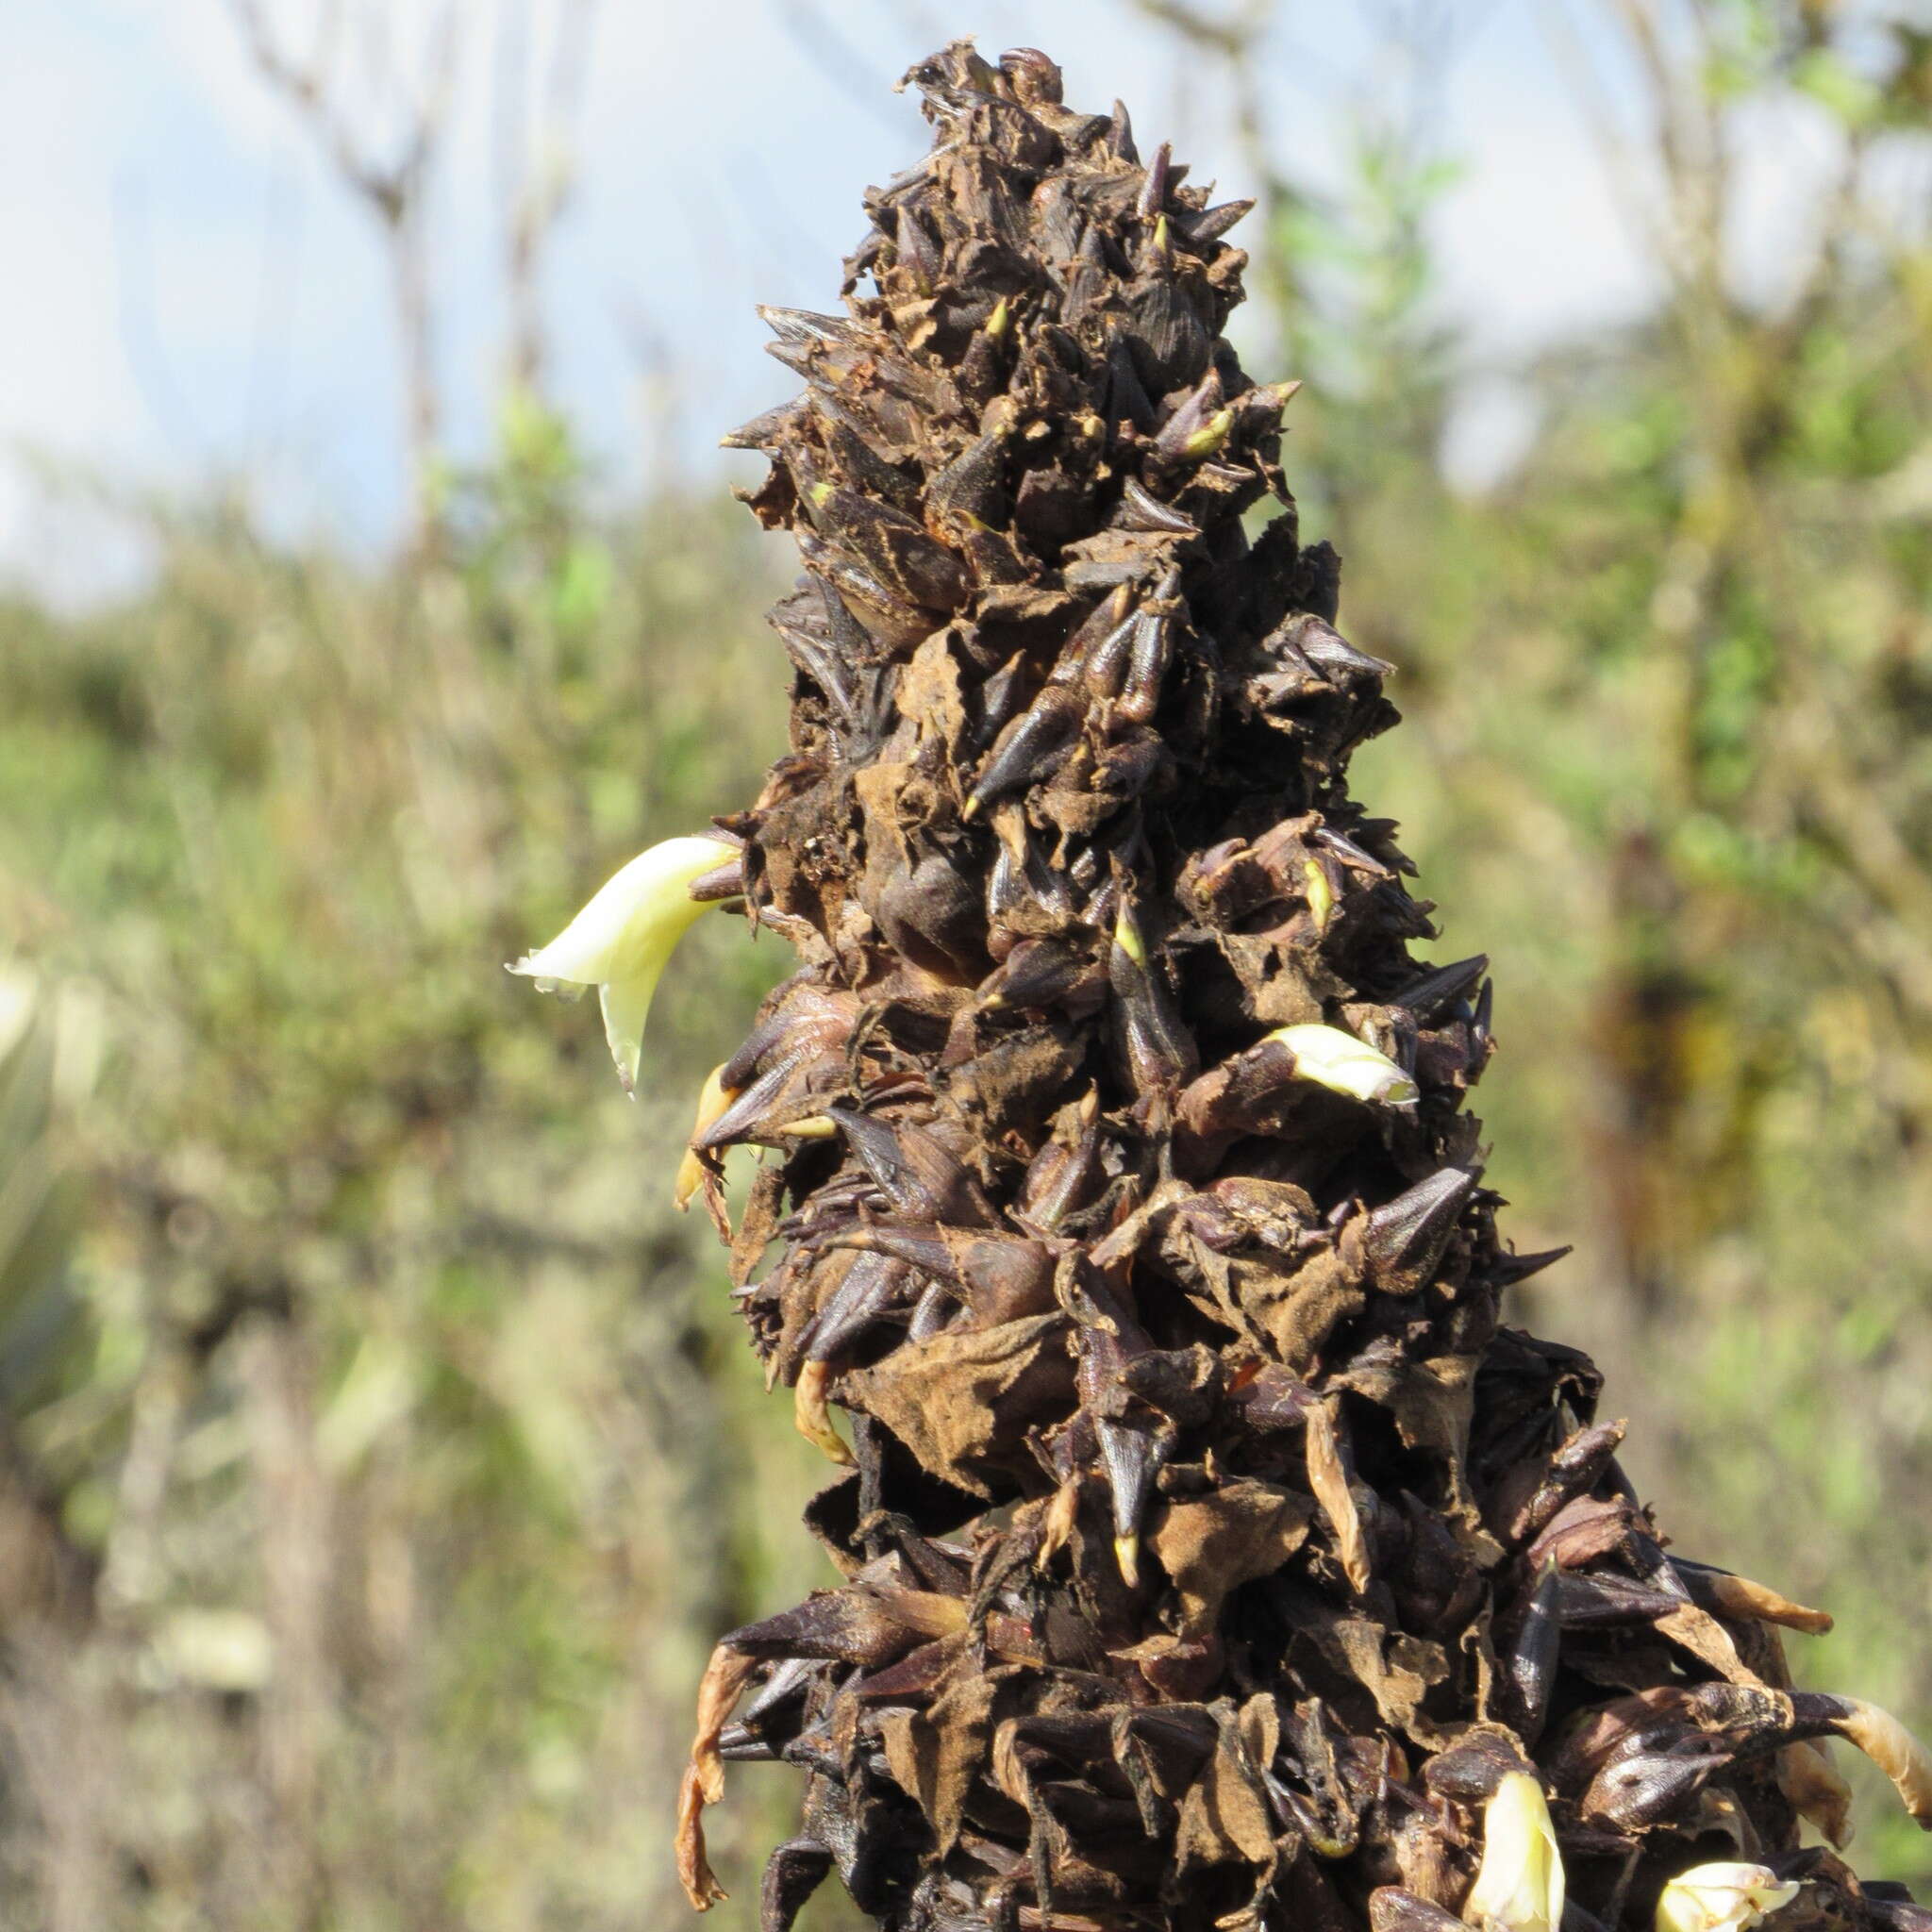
(377, 1463)
(379, 1460)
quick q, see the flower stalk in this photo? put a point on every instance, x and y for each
(1215, 1548)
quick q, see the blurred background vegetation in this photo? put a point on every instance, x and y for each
(378, 1455)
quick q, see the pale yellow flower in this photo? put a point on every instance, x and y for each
(1339, 1060)
(1519, 1886)
(622, 941)
(1720, 1898)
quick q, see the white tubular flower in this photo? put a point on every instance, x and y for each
(622, 941)
(1519, 1886)
(1720, 1898)
(1339, 1060)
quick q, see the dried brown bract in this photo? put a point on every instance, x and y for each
(1212, 1555)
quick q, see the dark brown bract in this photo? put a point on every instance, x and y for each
(1211, 1549)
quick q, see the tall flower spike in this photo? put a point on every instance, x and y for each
(1720, 1898)
(1519, 1886)
(622, 939)
(1197, 1479)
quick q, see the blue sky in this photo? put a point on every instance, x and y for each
(193, 294)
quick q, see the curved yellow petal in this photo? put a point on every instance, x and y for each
(1895, 1752)
(811, 1416)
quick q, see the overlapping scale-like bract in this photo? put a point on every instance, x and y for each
(1214, 1554)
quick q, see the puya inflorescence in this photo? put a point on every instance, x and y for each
(1214, 1553)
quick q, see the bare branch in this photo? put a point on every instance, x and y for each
(1623, 170)
(393, 187)
(536, 168)
(1231, 38)
(304, 85)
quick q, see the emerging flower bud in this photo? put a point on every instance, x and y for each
(1720, 1898)
(622, 939)
(713, 1098)
(1209, 437)
(1321, 893)
(1518, 1886)
(1339, 1060)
